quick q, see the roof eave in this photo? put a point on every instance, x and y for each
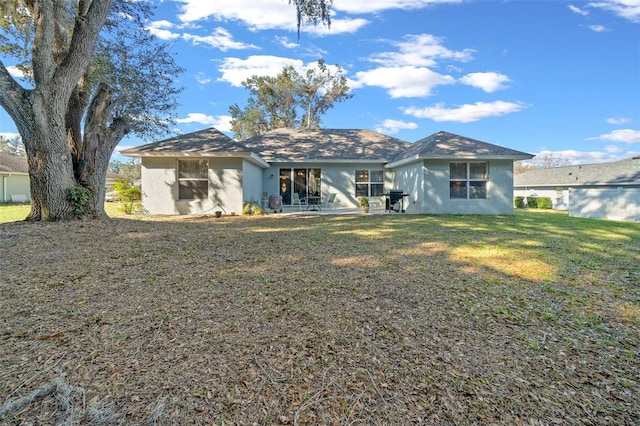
(325, 160)
(250, 156)
(419, 157)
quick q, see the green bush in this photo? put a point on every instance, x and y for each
(131, 196)
(545, 203)
(519, 202)
(79, 197)
(532, 202)
(252, 208)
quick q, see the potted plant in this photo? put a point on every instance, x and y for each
(364, 204)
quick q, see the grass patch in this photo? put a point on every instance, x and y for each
(11, 212)
(375, 319)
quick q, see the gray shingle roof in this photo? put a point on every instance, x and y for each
(623, 172)
(203, 142)
(448, 145)
(13, 164)
(325, 145)
(296, 145)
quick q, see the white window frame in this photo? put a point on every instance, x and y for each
(460, 187)
(200, 180)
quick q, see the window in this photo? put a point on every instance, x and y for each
(468, 180)
(369, 183)
(193, 179)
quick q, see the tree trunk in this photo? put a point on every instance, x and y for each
(39, 113)
(50, 165)
(97, 146)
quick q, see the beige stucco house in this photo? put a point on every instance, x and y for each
(206, 170)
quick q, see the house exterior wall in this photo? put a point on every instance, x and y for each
(605, 203)
(159, 185)
(338, 178)
(252, 179)
(436, 190)
(14, 184)
(410, 179)
(159, 177)
(225, 184)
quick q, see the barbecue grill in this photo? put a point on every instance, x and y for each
(395, 201)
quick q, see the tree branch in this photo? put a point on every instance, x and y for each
(85, 33)
(11, 94)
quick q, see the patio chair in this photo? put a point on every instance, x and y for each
(295, 200)
(329, 202)
(265, 201)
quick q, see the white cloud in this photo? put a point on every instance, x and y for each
(487, 81)
(202, 78)
(219, 39)
(338, 26)
(576, 9)
(10, 136)
(162, 30)
(286, 43)
(419, 50)
(391, 127)
(15, 72)
(258, 15)
(376, 6)
(235, 70)
(622, 135)
(465, 113)
(598, 28)
(627, 9)
(403, 82)
(618, 120)
(574, 158)
(221, 122)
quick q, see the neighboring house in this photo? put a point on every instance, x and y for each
(603, 191)
(444, 173)
(14, 176)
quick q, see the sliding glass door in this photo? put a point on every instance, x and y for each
(304, 182)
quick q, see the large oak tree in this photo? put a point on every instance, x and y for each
(65, 157)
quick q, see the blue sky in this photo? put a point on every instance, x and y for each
(554, 77)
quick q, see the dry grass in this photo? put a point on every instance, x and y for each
(381, 319)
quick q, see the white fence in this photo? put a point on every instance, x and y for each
(605, 203)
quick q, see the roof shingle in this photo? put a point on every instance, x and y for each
(297, 145)
(623, 172)
(325, 145)
(207, 141)
(13, 164)
(448, 145)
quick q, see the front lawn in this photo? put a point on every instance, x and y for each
(12, 212)
(528, 319)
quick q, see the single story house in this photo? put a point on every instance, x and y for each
(14, 176)
(206, 170)
(603, 190)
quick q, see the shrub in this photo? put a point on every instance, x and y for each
(519, 202)
(252, 208)
(545, 203)
(532, 202)
(79, 197)
(131, 196)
